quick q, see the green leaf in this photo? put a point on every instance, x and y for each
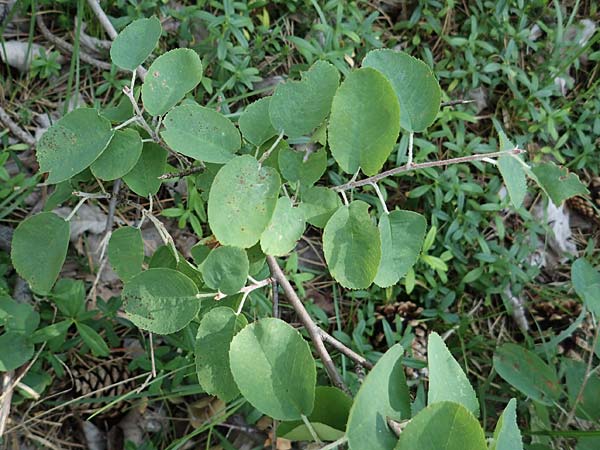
(241, 201)
(255, 123)
(513, 174)
(585, 279)
(557, 182)
(328, 418)
(352, 246)
(143, 178)
(285, 228)
(162, 301)
(213, 341)
(39, 249)
(126, 252)
(226, 269)
(402, 234)
(19, 318)
(382, 395)
(588, 407)
(73, 143)
(364, 123)
(120, 156)
(319, 204)
(507, 435)
(298, 107)
(447, 381)
(443, 425)
(69, 297)
(16, 351)
(201, 133)
(169, 78)
(274, 369)
(92, 339)
(135, 43)
(415, 85)
(525, 371)
(295, 168)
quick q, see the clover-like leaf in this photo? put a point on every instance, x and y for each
(285, 228)
(402, 234)
(298, 107)
(443, 425)
(73, 143)
(364, 122)
(143, 178)
(120, 157)
(255, 123)
(135, 43)
(39, 249)
(415, 85)
(19, 318)
(16, 351)
(226, 269)
(447, 380)
(169, 78)
(213, 340)
(382, 395)
(162, 301)
(201, 133)
(586, 279)
(558, 183)
(352, 246)
(274, 369)
(241, 201)
(126, 252)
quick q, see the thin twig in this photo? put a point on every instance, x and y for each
(110, 30)
(15, 129)
(275, 298)
(7, 379)
(182, 173)
(345, 350)
(409, 160)
(68, 48)
(335, 444)
(425, 165)
(266, 154)
(309, 324)
(456, 102)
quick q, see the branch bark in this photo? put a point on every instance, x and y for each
(425, 165)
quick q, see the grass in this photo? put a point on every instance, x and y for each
(477, 49)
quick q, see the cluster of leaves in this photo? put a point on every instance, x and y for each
(267, 361)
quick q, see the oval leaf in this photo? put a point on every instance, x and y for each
(525, 371)
(352, 246)
(328, 418)
(126, 252)
(382, 395)
(201, 133)
(415, 85)
(120, 157)
(319, 204)
(447, 381)
(298, 107)
(364, 123)
(143, 178)
(162, 301)
(226, 269)
(443, 425)
(303, 167)
(213, 340)
(73, 143)
(135, 43)
(39, 249)
(255, 123)
(558, 183)
(285, 228)
(241, 201)
(16, 351)
(507, 435)
(170, 77)
(274, 369)
(402, 234)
